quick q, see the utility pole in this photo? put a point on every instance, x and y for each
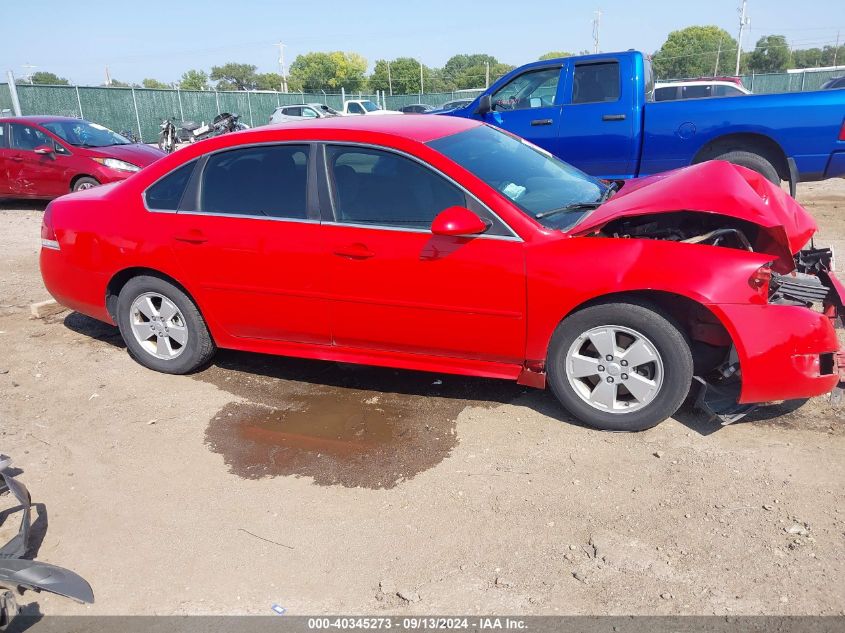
(284, 82)
(108, 77)
(486, 75)
(389, 80)
(596, 27)
(744, 21)
(836, 49)
(718, 54)
(421, 81)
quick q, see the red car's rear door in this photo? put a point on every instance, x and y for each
(395, 286)
(250, 246)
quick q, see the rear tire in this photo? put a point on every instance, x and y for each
(758, 163)
(86, 182)
(592, 380)
(162, 327)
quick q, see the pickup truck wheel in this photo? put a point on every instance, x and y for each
(162, 327)
(758, 163)
(620, 366)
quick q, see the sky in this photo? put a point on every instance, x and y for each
(161, 40)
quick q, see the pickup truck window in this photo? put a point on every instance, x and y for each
(542, 186)
(597, 82)
(534, 89)
(354, 108)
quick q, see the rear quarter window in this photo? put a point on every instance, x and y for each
(165, 193)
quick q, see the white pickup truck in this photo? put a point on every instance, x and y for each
(363, 106)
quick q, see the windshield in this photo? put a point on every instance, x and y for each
(369, 106)
(544, 187)
(84, 134)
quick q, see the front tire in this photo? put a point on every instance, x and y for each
(620, 366)
(162, 327)
(86, 182)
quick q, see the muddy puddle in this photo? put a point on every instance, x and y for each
(339, 424)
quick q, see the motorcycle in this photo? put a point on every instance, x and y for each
(190, 131)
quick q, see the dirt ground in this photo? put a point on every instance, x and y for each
(334, 489)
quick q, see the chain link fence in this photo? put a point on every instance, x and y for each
(141, 110)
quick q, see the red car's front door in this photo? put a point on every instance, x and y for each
(250, 250)
(395, 286)
(31, 174)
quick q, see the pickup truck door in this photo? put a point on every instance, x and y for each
(600, 125)
(529, 106)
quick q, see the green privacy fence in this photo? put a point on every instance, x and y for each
(789, 82)
(141, 110)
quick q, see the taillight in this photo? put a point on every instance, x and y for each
(48, 233)
(760, 280)
(842, 132)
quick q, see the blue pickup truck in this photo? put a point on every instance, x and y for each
(596, 112)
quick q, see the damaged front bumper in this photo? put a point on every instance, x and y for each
(785, 350)
(16, 572)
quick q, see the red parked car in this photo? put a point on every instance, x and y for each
(443, 244)
(49, 156)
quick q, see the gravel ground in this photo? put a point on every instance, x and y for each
(327, 488)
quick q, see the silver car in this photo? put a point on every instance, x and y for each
(301, 111)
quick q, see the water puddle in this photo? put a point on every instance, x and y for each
(339, 424)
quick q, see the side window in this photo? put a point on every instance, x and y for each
(355, 108)
(386, 189)
(165, 194)
(28, 138)
(534, 89)
(667, 93)
(726, 91)
(308, 113)
(3, 139)
(695, 92)
(266, 180)
(293, 111)
(596, 83)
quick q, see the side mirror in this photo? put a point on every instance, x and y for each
(43, 149)
(485, 105)
(457, 221)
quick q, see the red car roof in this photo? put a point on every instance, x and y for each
(417, 127)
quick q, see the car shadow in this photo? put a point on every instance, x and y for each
(228, 364)
(13, 204)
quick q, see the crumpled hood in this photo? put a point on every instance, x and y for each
(137, 153)
(716, 187)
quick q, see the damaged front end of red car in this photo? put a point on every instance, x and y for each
(724, 205)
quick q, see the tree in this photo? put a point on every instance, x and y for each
(43, 77)
(234, 76)
(815, 57)
(194, 80)
(334, 70)
(554, 55)
(693, 52)
(269, 81)
(771, 55)
(154, 83)
(470, 71)
(404, 75)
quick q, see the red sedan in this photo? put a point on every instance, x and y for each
(443, 244)
(49, 156)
